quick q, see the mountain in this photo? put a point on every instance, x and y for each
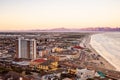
(70, 30)
(101, 29)
(60, 29)
(78, 30)
(55, 30)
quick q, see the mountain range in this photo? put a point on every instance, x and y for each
(77, 30)
(69, 30)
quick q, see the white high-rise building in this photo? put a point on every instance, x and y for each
(26, 48)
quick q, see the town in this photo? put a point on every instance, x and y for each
(51, 56)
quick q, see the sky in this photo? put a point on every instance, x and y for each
(48, 14)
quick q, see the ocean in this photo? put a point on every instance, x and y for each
(108, 46)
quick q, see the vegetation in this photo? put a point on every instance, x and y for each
(90, 79)
(88, 50)
(4, 70)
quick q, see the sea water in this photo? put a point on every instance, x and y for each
(108, 46)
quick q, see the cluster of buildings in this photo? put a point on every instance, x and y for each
(52, 58)
(45, 59)
(50, 61)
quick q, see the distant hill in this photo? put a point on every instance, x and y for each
(69, 30)
(101, 29)
(77, 30)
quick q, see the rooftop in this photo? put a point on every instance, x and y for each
(40, 60)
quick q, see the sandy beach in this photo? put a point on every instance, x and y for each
(106, 64)
(103, 46)
(91, 61)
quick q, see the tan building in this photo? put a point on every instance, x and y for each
(56, 49)
(48, 65)
(43, 53)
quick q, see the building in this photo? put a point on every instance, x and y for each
(84, 74)
(26, 48)
(43, 53)
(48, 65)
(56, 49)
(11, 75)
(35, 63)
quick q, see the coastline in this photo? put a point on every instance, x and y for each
(107, 64)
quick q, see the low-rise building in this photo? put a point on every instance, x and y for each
(57, 49)
(48, 65)
(84, 74)
(35, 63)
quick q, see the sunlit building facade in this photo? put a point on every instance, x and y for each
(26, 48)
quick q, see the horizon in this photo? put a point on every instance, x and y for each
(61, 28)
(50, 14)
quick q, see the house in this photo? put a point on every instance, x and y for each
(14, 76)
(84, 74)
(100, 74)
(48, 65)
(72, 71)
(57, 49)
(78, 47)
(34, 64)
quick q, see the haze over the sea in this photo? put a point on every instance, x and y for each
(48, 14)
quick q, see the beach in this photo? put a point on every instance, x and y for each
(108, 46)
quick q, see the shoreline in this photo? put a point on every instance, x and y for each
(107, 64)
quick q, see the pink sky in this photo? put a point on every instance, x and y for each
(47, 14)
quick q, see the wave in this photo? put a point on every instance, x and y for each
(108, 46)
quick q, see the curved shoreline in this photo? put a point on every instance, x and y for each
(100, 49)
